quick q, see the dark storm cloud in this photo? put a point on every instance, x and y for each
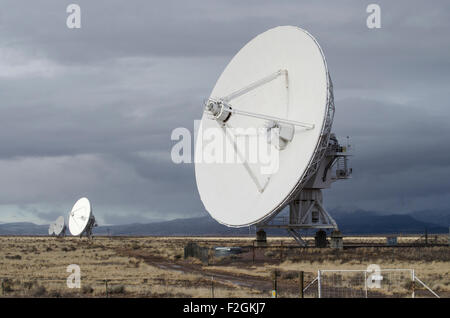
(400, 153)
(90, 111)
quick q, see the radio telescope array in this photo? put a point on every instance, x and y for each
(278, 83)
(81, 219)
(57, 228)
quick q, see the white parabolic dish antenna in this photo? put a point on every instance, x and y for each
(51, 229)
(79, 217)
(279, 77)
(58, 226)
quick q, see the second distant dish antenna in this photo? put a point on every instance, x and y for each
(58, 228)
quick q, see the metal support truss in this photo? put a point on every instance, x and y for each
(257, 84)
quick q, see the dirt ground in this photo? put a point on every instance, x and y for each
(156, 267)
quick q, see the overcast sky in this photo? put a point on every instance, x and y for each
(89, 112)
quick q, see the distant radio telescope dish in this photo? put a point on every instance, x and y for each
(51, 230)
(277, 80)
(81, 219)
(59, 227)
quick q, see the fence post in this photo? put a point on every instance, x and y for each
(301, 278)
(212, 286)
(275, 291)
(281, 251)
(210, 255)
(318, 284)
(106, 288)
(413, 278)
(253, 250)
(365, 283)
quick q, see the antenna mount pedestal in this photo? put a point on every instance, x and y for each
(306, 210)
(63, 232)
(89, 227)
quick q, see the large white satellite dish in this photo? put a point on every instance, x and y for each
(298, 91)
(278, 80)
(81, 219)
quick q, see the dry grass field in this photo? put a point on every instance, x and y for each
(155, 266)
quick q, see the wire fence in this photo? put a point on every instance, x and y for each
(58, 287)
(392, 283)
(216, 267)
(364, 284)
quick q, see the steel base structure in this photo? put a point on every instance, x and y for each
(89, 227)
(306, 211)
(63, 232)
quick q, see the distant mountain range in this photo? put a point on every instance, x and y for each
(23, 228)
(361, 222)
(436, 217)
(374, 223)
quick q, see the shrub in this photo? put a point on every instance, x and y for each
(289, 275)
(39, 291)
(29, 285)
(87, 289)
(118, 289)
(13, 257)
(7, 285)
(55, 294)
(68, 249)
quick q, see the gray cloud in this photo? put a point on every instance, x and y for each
(90, 111)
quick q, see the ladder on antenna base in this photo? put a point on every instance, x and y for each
(297, 237)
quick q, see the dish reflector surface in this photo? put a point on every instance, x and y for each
(79, 216)
(58, 225)
(51, 229)
(228, 191)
